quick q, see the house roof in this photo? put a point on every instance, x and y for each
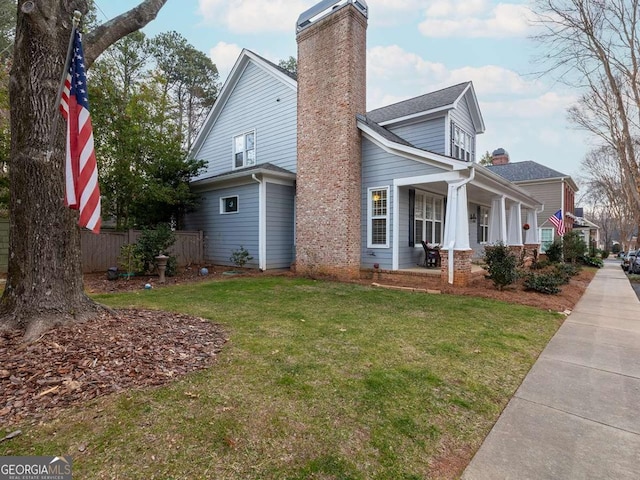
(530, 171)
(263, 168)
(429, 103)
(392, 137)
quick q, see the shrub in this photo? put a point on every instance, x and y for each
(153, 242)
(554, 251)
(568, 269)
(540, 265)
(129, 260)
(240, 257)
(501, 264)
(604, 254)
(573, 247)
(592, 261)
(544, 283)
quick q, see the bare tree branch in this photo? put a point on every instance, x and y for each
(98, 40)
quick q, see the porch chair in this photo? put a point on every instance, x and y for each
(431, 256)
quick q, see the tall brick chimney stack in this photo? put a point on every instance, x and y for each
(331, 90)
(499, 157)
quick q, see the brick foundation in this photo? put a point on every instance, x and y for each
(461, 267)
(331, 91)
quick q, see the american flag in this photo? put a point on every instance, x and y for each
(557, 220)
(81, 170)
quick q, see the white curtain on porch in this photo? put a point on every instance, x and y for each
(531, 236)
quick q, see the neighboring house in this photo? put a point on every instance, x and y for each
(299, 173)
(588, 231)
(554, 189)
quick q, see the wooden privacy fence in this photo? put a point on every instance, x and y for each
(99, 252)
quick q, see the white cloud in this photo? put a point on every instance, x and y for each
(549, 105)
(475, 19)
(224, 55)
(395, 74)
(253, 16)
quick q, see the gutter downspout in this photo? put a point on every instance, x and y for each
(453, 241)
(262, 222)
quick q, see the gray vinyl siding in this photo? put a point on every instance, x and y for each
(225, 233)
(280, 221)
(461, 116)
(258, 102)
(379, 169)
(429, 134)
(549, 194)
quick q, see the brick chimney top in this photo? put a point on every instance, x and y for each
(325, 8)
(499, 157)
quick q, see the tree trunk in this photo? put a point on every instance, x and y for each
(44, 282)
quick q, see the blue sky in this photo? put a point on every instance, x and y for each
(413, 47)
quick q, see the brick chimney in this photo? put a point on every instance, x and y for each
(331, 90)
(499, 157)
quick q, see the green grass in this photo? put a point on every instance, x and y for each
(319, 380)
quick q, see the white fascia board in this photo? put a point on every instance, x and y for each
(542, 181)
(476, 114)
(283, 77)
(414, 116)
(243, 177)
(411, 153)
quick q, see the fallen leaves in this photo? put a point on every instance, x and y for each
(76, 363)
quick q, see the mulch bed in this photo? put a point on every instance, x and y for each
(75, 363)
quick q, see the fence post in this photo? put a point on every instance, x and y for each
(201, 246)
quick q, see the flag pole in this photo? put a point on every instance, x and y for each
(77, 15)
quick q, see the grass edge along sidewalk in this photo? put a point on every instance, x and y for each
(319, 380)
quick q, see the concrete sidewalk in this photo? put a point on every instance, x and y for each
(577, 413)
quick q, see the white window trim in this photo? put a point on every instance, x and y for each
(471, 145)
(553, 237)
(424, 193)
(488, 209)
(370, 218)
(222, 203)
(233, 150)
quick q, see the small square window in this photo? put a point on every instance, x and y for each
(229, 204)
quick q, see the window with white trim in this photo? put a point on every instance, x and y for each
(546, 239)
(483, 225)
(428, 218)
(229, 205)
(244, 150)
(462, 144)
(378, 217)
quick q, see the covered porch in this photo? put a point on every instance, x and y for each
(459, 212)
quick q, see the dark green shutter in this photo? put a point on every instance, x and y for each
(412, 217)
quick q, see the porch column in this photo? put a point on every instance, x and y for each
(531, 236)
(514, 236)
(497, 221)
(456, 227)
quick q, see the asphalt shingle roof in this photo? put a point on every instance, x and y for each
(383, 131)
(524, 171)
(423, 103)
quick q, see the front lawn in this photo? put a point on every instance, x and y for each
(318, 380)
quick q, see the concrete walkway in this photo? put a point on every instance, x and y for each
(577, 413)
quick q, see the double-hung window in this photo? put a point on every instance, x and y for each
(378, 217)
(244, 150)
(462, 144)
(483, 225)
(546, 239)
(428, 218)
